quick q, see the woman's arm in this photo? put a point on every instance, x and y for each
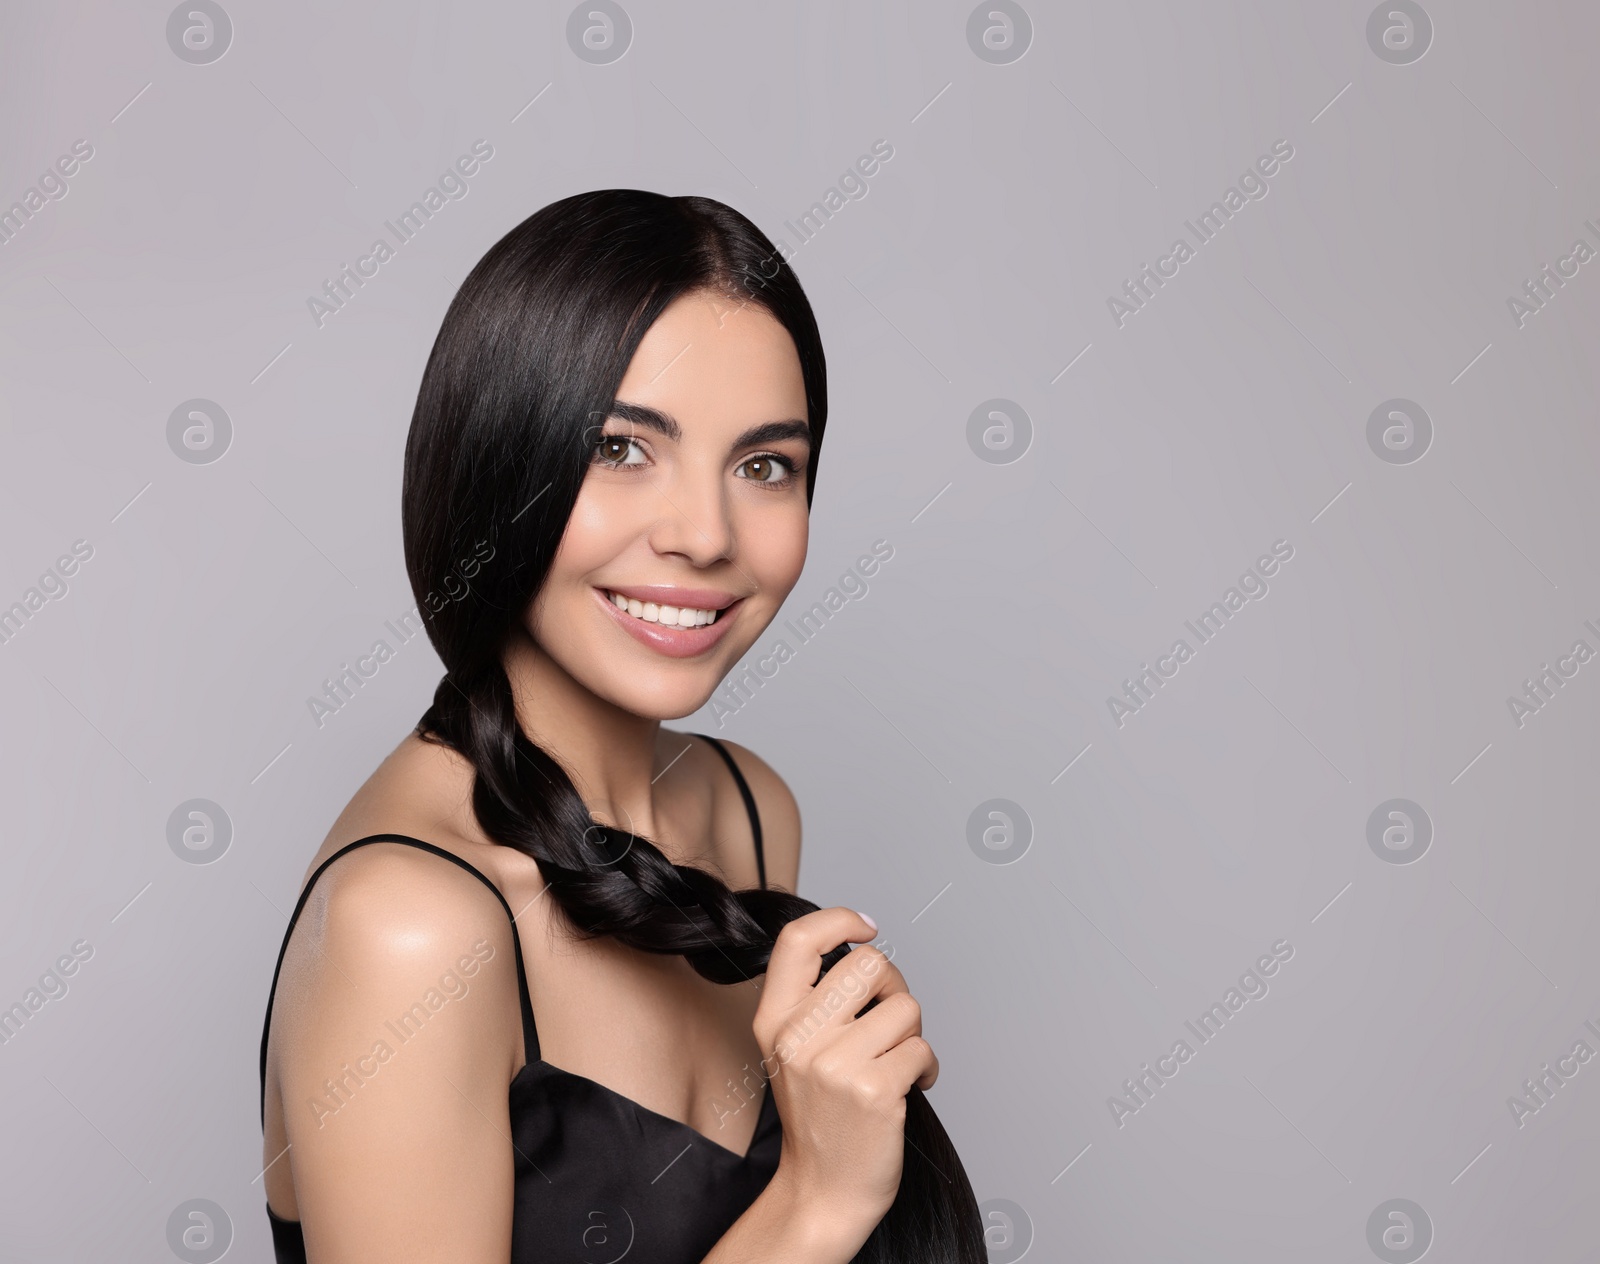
(848, 1048)
(784, 1227)
(395, 1103)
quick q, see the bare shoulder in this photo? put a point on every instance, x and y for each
(400, 900)
(779, 812)
(387, 923)
(395, 1031)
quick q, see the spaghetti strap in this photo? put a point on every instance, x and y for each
(530, 1033)
(749, 803)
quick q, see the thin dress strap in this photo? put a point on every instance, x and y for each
(530, 1033)
(749, 804)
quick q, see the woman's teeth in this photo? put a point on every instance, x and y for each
(671, 616)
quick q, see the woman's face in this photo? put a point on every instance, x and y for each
(694, 505)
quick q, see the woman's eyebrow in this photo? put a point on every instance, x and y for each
(665, 424)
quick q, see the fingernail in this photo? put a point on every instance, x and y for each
(869, 921)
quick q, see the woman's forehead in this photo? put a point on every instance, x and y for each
(705, 359)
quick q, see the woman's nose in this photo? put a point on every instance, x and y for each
(694, 519)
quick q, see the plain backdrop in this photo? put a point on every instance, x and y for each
(1066, 487)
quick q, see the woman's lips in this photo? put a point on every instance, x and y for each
(676, 642)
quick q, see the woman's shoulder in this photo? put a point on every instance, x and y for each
(384, 926)
(396, 914)
(389, 937)
(777, 808)
(415, 804)
(389, 890)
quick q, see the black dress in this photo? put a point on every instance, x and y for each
(598, 1176)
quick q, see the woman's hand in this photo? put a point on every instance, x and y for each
(841, 1080)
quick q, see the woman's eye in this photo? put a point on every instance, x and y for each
(769, 468)
(613, 449)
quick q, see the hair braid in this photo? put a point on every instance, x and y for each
(608, 882)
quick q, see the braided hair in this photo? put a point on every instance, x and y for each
(524, 370)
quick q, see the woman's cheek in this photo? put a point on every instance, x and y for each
(782, 552)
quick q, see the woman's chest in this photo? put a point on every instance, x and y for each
(646, 1027)
(599, 1177)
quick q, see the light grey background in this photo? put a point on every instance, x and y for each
(1167, 854)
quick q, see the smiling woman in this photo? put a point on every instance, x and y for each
(636, 435)
(722, 495)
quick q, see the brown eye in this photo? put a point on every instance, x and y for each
(613, 450)
(774, 471)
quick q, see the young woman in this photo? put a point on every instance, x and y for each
(606, 497)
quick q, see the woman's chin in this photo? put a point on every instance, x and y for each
(662, 700)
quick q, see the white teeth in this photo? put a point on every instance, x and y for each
(670, 616)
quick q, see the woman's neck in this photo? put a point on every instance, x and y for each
(612, 755)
